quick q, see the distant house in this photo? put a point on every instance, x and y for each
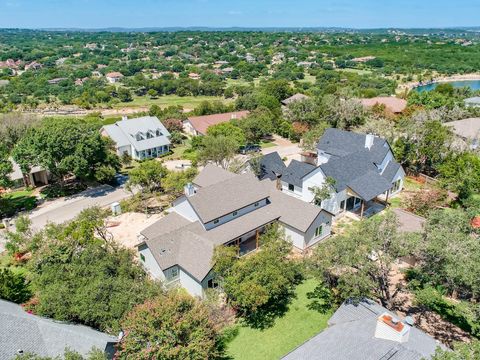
(198, 125)
(467, 132)
(194, 76)
(223, 209)
(33, 66)
(472, 102)
(37, 176)
(114, 77)
(391, 103)
(366, 330)
(362, 166)
(10, 64)
(23, 333)
(296, 97)
(56, 81)
(363, 59)
(141, 138)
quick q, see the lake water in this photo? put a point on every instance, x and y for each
(473, 84)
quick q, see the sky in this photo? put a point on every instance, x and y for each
(241, 13)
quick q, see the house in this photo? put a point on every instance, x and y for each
(269, 167)
(141, 138)
(33, 66)
(22, 333)
(198, 125)
(391, 103)
(366, 330)
(37, 176)
(362, 166)
(114, 77)
(296, 97)
(56, 81)
(363, 59)
(467, 132)
(472, 102)
(222, 209)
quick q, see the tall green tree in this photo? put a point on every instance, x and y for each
(6, 167)
(220, 150)
(148, 176)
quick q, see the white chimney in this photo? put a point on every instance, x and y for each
(189, 190)
(233, 117)
(124, 117)
(391, 328)
(369, 141)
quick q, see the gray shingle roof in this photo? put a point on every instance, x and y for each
(341, 143)
(391, 170)
(369, 185)
(350, 336)
(271, 166)
(174, 240)
(229, 195)
(211, 175)
(20, 330)
(124, 133)
(295, 172)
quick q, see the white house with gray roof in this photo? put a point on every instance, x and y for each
(362, 166)
(222, 208)
(365, 330)
(141, 138)
(22, 333)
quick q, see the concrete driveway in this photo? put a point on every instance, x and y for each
(65, 209)
(285, 148)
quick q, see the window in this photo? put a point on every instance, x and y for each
(149, 135)
(142, 257)
(174, 272)
(216, 221)
(318, 231)
(291, 187)
(235, 213)
(159, 132)
(342, 205)
(256, 204)
(212, 284)
(139, 136)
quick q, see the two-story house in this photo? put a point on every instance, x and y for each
(221, 208)
(362, 167)
(141, 138)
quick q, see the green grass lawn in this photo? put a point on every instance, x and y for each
(267, 144)
(189, 102)
(295, 327)
(17, 201)
(358, 71)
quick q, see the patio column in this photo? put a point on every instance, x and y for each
(386, 197)
(257, 236)
(363, 208)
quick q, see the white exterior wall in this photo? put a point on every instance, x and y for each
(150, 264)
(386, 160)
(324, 219)
(315, 178)
(188, 128)
(187, 281)
(400, 175)
(182, 207)
(298, 192)
(125, 149)
(333, 204)
(240, 212)
(295, 236)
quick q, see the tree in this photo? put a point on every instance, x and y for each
(324, 192)
(81, 275)
(219, 149)
(65, 146)
(229, 130)
(259, 285)
(357, 264)
(6, 167)
(152, 93)
(175, 326)
(310, 138)
(461, 351)
(258, 124)
(461, 173)
(13, 286)
(124, 94)
(148, 176)
(175, 181)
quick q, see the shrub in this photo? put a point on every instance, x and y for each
(13, 286)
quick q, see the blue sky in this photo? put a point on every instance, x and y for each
(245, 13)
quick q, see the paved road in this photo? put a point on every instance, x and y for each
(66, 209)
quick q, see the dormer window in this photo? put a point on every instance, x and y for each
(216, 221)
(235, 213)
(139, 136)
(150, 134)
(159, 132)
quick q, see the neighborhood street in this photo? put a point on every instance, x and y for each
(65, 209)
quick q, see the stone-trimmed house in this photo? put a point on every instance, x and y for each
(220, 209)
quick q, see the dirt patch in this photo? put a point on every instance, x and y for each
(126, 227)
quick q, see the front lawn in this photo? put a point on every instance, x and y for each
(21, 200)
(188, 102)
(294, 328)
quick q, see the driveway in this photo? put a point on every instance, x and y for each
(65, 209)
(285, 148)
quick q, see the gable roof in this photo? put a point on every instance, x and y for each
(271, 166)
(211, 175)
(296, 171)
(369, 185)
(293, 98)
(124, 132)
(20, 330)
(351, 335)
(202, 123)
(467, 128)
